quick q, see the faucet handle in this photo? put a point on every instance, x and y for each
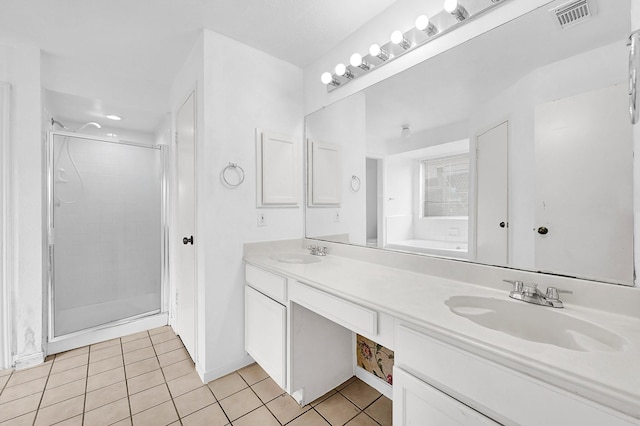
(553, 293)
(517, 285)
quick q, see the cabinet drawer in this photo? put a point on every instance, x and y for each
(270, 284)
(503, 394)
(347, 314)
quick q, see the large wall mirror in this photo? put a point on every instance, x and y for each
(511, 149)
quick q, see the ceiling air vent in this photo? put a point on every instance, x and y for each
(573, 13)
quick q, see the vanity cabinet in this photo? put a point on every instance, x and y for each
(416, 403)
(498, 392)
(265, 319)
(303, 337)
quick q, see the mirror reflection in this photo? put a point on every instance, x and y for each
(512, 149)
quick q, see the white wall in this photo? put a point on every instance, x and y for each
(111, 86)
(342, 124)
(239, 89)
(21, 68)
(401, 15)
(516, 103)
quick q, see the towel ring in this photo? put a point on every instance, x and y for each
(355, 183)
(239, 170)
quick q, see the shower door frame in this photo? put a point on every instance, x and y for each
(83, 337)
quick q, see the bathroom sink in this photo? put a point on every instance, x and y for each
(536, 323)
(296, 258)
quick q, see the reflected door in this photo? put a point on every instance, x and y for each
(584, 146)
(492, 217)
(106, 229)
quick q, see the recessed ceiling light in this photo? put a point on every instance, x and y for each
(114, 117)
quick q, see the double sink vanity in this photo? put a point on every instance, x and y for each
(465, 352)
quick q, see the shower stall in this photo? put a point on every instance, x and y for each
(106, 237)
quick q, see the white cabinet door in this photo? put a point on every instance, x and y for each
(417, 403)
(324, 177)
(265, 323)
(277, 175)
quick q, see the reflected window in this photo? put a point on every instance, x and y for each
(445, 186)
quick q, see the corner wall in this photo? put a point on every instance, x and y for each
(244, 88)
(239, 89)
(24, 241)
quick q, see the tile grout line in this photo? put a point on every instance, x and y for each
(126, 384)
(43, 390)
(166, 383)
(274, 416)
(86, 384)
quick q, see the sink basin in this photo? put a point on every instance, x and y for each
(536, 323)
(296, 258)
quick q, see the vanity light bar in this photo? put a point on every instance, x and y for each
(403, 42)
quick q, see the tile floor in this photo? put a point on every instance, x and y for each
(148, 378)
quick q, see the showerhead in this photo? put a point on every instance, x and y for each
(91, 123)
(54, 122)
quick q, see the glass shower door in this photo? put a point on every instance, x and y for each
(106, 215)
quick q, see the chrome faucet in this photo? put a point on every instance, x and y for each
(317, 250)
(531, 294)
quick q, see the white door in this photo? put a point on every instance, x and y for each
(186, 245)
(492, 223)
(584, 223)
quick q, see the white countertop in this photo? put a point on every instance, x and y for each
(610, 378)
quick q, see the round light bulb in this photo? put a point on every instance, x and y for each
(355, 60)
(374, 50)
(450, 5)
(397, 37)
(326, 78)
(341, 69)
(422, 22)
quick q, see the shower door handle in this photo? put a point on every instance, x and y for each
(186, 240)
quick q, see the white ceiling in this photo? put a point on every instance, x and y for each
(297, 31)
(149, 40)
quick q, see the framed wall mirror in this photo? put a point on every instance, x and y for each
(512, 149)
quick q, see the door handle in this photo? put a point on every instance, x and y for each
(543, 230)
(502, 224)
(186, 240)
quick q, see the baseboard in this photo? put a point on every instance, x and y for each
(375, 382)
(78, 340)
(28, 361)
(207, 376)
